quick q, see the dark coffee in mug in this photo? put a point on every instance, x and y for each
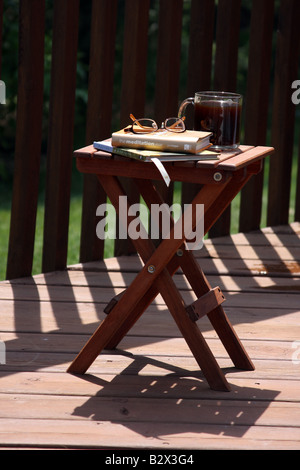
(220, 118)
(217, 112)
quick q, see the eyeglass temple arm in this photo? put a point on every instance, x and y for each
(129, 128)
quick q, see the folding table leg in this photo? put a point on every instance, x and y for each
(122, 312)
(192, 334)
(197, 278)
(139, 309)
(217, 316)
(114, 190)
(169, 293)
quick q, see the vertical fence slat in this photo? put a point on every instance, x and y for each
(133, 82)
(202, 16)
(286, 68)
(168, 70)
(225, 77)
(199, 64)
(60, 140)
(99, 116)
(168, 59)
(257, 105)
(227, 42)
(134, 59)
(28, 138)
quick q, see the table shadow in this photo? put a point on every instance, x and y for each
(180, 402)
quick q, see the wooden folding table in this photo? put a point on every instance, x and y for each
(220, 181)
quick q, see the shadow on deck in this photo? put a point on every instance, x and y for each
(149, 393)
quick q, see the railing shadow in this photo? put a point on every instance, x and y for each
(156, 405)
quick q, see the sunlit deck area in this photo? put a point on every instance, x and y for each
(149, 393)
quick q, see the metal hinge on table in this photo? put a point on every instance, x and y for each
(205, 304)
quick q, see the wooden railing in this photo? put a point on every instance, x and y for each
(212, 63)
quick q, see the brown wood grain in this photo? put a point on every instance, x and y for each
(99, 116)
(256, 104)
(60, 134)
(225, 74)
(28, 136)
(286, 68)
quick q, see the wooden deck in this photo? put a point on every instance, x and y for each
(149, 394)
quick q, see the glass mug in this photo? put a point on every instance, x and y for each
(218, 112)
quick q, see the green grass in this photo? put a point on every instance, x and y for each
(74, 230)
(4, 233)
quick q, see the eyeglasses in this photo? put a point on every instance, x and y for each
(145, 126)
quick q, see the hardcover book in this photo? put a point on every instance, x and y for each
(162, 140)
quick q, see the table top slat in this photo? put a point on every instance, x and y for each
(245, 158)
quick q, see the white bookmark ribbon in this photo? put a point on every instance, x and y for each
(162, 170)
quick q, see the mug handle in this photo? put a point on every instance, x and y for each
(184, 105)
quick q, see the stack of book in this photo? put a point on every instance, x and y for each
(162, 145)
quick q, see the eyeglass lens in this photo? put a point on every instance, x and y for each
(144, 126)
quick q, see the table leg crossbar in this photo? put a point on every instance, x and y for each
(160, 263)
(205, 304)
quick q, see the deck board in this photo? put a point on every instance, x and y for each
(149, 393)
